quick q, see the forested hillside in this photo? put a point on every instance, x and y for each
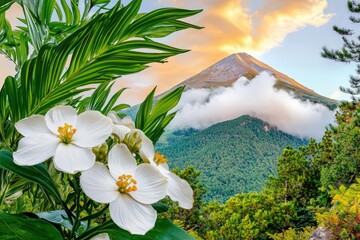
(316, 185)
(235, 156)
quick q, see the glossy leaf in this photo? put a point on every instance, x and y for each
(37, 174)
(163, 230)
(144, 110)
(154, 119)
(5, 5)
(160, 207)
(15, 227)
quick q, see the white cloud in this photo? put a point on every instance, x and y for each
(201, 108)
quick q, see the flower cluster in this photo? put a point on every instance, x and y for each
(129, 186)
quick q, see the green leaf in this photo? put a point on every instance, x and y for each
(153, 119)
(37, 174)
(144, 110)
(37, 30)
(5, 5)
(163, 230)
(160, 207)
(19, 226)
(58, 217)
(165, 104)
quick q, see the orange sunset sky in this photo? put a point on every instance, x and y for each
(286, 34)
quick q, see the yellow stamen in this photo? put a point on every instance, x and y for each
(66, 133)
(126, 183)
(160, 159)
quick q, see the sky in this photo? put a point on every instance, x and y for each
(285, 34)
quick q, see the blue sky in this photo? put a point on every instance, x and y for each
(286, 34)
(295, 51)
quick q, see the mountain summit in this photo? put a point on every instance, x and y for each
(228, 70)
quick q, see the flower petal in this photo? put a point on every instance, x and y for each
(32, 126)
(58, 116)
(151, 184)
(131, 215)
(101, 236)
(70, 158)
(147, 151)
(121, 161)
(121, 131)
(180, 191)
(92, 129)
(98, 184)
(126, 121)
(34, 150)
(163, 167)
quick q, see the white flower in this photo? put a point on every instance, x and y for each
(126, 121)
(101, 236)
(178, 189)
(63, 135)
(130, 189)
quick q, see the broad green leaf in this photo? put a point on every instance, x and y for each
(58, 217)
(153, 119)
(163, 230)
(165, 104)
(37, 174)
(109, 45)
(19, 226)
(160, 207)
(144, 110)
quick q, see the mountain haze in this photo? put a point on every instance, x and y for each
(228, 70)
(238, 154)
(234, 156)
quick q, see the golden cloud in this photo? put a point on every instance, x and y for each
(230, 27)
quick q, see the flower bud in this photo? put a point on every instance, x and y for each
(101, 152)
(133, 141)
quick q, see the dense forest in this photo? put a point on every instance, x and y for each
(316, 185)
(315, 194)
(233, 156)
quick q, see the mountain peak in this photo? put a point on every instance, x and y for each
(231, 68)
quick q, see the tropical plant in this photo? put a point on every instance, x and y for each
(63, 50)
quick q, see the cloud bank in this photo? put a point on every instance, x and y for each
(231, 26)
(201, 108)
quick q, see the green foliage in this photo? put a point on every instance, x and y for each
(292, 234)
(286, 208)
(88, 46)
(14, 227)
(101, 101)
(343, 218)
(37, 174)
(153, 118)
(344, 166)
(163, 230)
(96, 54)
(247, 216)
(234, 156)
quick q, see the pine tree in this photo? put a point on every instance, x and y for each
(350, 52)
